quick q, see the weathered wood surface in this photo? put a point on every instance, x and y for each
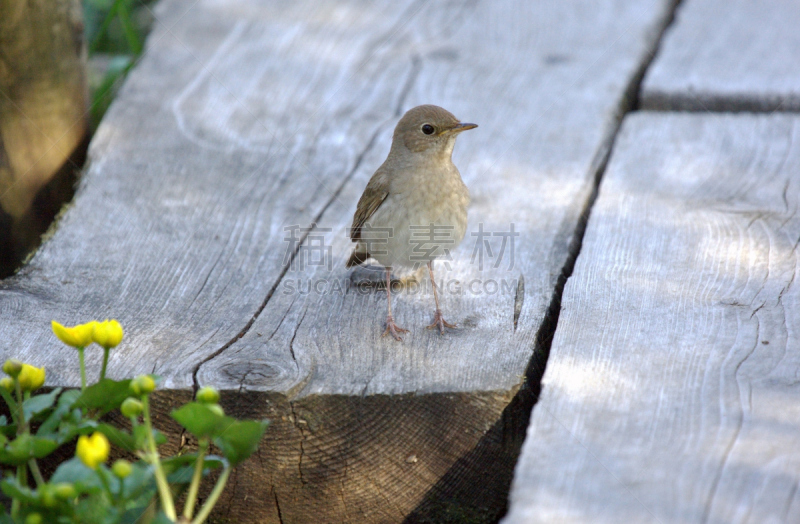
(246, 118)
(671, 391)
(723, 55)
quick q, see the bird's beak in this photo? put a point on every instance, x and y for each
(463, 126)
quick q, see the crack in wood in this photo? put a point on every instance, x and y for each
(277, 505)
(635, 87)
(359, 159)
(519, 299)
(298, 425)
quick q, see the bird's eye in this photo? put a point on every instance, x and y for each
(427, 129)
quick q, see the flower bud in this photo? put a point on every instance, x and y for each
(12, 367)
(216, 409)
(121, 468)
(142, 385)
(78, 336)
(131, 407)
(31, 378)
(92, 450)
(207, 395)
(7, 383)
(64, 491)
(107, 333)
(47, 495)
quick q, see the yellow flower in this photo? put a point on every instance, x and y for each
(93, 450)
(78, 336)
(31, 378)
(107, 333)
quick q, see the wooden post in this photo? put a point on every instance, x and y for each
(43, 117)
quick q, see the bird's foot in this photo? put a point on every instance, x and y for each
(440, 322)
(394, 329)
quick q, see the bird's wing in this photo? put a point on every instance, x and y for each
(375, 193)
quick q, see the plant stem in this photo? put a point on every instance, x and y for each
(194, 487)
(164, 493)
(37, 474)
(83, 368)
(20, 412)
(112, 13)
(205, 511)
(106, 485)
(22, 470)
(121, 499)
(105, 364)
(124, 15)
(16, 503)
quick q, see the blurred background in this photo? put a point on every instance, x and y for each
(61, 63)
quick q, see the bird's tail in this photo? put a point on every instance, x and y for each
(357, 257)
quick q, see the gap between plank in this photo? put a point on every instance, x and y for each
(517, 415)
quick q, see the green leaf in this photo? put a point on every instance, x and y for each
(140, 514)
(96, 509)
(237, 439)
(161, 518)
(171, 464)
(8, 431)
(39, 403)
(25, 447)
(65, 402)
(10, 402)
(11, 487)
(201, 420)
(240, 439)
(118, 437)
(180, 469)
(105, 395)
(140, 437)
(75, 472)
(139, 483)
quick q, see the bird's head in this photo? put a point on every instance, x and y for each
(428, 129)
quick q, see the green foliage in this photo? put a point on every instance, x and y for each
(237, 439)
(105, 396)
(83, 489)
(115, 30)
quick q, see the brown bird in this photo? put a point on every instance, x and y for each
(414, 208)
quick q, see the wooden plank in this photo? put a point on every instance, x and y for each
(244, 119)
(723, 55)
(671, 390)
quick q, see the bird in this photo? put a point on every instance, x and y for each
(414, 208)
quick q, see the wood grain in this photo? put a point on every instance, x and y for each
(246, 118)
(671, 391)
(728, 56)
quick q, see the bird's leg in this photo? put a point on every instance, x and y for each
(391, 327)
(437, 317)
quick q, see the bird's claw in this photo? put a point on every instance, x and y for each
(394, 329)
(440, 322)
